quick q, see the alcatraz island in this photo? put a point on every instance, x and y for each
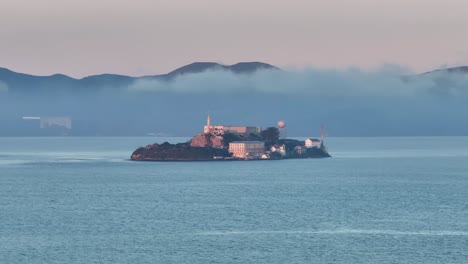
(217, 143)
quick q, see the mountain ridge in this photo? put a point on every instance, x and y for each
(194, 67)
(22, 81)
(459, 69)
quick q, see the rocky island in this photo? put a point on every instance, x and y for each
(235, 143)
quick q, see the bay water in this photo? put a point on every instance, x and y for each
(377, 200)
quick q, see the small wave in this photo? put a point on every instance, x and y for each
(12, 162)
(59, 161)
(340, 232)
(65, 160)
(399, 154)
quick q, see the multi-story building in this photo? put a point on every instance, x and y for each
(221, 130)
(244, 149)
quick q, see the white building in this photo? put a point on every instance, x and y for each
(221, 130)
(312, 143)
(244, 149)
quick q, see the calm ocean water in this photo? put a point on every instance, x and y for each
(378, 200)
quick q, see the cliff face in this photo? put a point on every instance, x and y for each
(181, 151)
(207, 140)
(200, 147)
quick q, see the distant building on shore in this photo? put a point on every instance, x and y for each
(61, 121)
(45, 122)
(51, 126)
(244, 149)
(221, 130)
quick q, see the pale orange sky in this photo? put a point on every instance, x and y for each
(141, 37)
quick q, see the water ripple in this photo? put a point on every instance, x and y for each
(341, 232)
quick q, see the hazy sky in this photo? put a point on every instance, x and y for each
(141, 37)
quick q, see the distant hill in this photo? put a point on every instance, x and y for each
(459, 70)
(443, 77)
(239, 68)
(58, 82)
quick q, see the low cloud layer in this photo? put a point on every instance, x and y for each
(389, 80)
(389, 101)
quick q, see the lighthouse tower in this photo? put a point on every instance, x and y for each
(207, 128)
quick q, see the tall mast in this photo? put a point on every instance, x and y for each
(322, 135)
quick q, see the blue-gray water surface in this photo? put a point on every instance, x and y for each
(378, 200)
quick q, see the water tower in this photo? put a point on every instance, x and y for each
(282, 129)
